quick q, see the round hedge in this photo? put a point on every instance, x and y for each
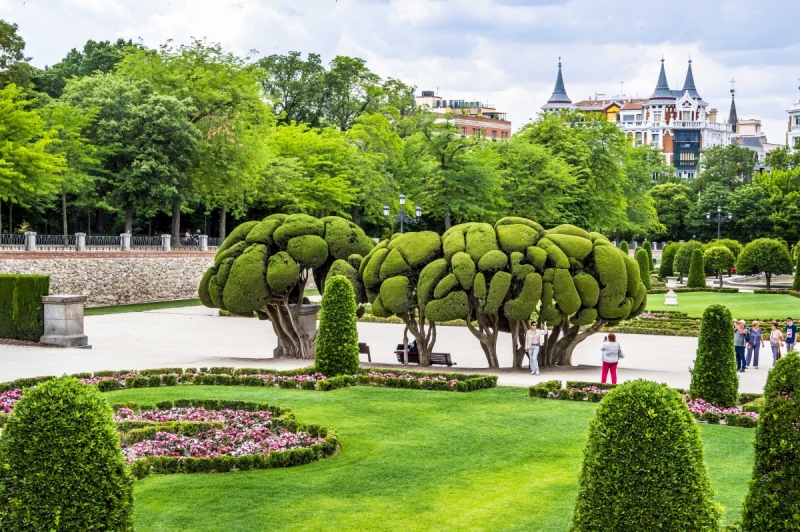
(714, 376)
(764, 255)
(337, 339)
(643, 465)
(61, 465)
(697, 271)
(773, 502)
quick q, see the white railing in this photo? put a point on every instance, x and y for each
(80, 242)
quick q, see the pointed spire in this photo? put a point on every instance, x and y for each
(688, 85)
(559, 98)
(662, 91)
(733, 119)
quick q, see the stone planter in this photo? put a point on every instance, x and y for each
(63, 321)
(672, 282)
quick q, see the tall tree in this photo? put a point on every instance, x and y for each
(783, 187)
(350, 90)
(729, 166)
(673, 203)
(295, 86)
(14, 67)
(751, 212)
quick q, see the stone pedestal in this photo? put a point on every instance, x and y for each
(203, 242)
(63, 321)
(125, 242)
(672, 282)
(166, 242)
(80, 241)
(30, 241)
(308, 321)
(671, 298)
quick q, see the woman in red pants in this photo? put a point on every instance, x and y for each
(611, 353)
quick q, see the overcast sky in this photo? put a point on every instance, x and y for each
(497, 51)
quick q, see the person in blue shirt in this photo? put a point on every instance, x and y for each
(755, 341)
(739, 343)
(791, 334)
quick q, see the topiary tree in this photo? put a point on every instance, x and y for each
(683, 257)
(643, 465)
(623, 247)
(733, 245)
(61, 465)
(666, 268)
(337, 339)
(648, 247)
(773, 502)
(714, 376)
(767, 256)
(796, 280)
(697, 271)
(720, 259)
(644, 261)
(264, 267)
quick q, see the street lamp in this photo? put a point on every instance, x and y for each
(719, 218)
(402, 217)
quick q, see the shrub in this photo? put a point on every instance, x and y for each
(108, 385)
(21, 309)
(796, 280)
(719, 259)
(714, 376)
(764, 255)
(644, 261)
(648, 247)
(683, 257)
(773, 502)
(665, 269)
(62, 466)
(623, 247)
(711, 417)
(697, 275)
(337, 339)
(643, 465)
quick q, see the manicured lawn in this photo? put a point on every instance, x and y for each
(141, 307)
(741, 305)
(411, 460)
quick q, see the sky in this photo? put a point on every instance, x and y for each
(503, 52)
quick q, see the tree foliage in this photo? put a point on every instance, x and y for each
(714, 376)
(720, 259)
(729, 166)
(767, 256)
(697, 276)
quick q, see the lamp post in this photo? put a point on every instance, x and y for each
(402, 217)
(719, 218)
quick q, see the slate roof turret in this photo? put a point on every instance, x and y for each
(559, 98)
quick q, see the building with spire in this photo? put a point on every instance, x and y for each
(678, 122)
(793, 135)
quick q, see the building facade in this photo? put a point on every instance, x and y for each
(748, 134)
(793, 135)
(677, 122)
(472, 118)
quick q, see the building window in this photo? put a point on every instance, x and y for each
(638, 117)
(687, 158)
(494, 134)
(686, 116)
(627, 118)
(654, 139)
(797, 120)
(463, 131)
(657, 117)
(638, 139)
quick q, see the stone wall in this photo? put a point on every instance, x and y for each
(115, 278)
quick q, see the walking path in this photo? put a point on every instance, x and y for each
(194, 337)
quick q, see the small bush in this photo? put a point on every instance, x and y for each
(665, 268)
(756, 405)
(711, 417)
(108, 385)
(623, 247)
(697, 275)
(643, 465)
(337, 340)
(644, 261)
(61, 465)
(21, 308)
(714, 376)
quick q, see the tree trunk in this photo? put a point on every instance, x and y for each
(354, 214)
(64, 208)
(222, 214)
(99, 226)
(176, 220)
(769, 278)
(558, 351)
(284, 313)
(417, 323)
(129, 218)
(486, 333)
(10, 217)
(1, 217)
(720, 278)
(447, 223)
(518, 331)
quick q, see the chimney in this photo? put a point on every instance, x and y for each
(712, 115)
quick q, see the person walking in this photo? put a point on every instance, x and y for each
(533, 341)
(755, 341)
(791, 335)
(775, 341)
(610, 353)
(739, 344)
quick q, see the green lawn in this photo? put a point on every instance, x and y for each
(141, 307)
(411, 460)
(741, 305)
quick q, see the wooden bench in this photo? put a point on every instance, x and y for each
(363, 349)
(442, 359)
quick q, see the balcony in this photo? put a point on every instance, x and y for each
(716, 126)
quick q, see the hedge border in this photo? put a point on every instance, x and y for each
(726, 290)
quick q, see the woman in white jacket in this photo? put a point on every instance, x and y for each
(610, 353)
(533, 340)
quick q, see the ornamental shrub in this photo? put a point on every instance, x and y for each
(683, 257)
(643, 465)
(773, 502)
(796, 281)
(337, 339)
(767, 256)
(665, 269)
(644, 261)
(61, 465)
(697, 272)
(648, 247)
(21, 309)
(719, 259)
(714, 376)
(623, 247)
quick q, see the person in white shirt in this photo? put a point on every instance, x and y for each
(533, 340)
(610, 352)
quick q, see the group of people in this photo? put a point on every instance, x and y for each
(747, 342)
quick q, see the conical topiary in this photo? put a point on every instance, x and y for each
(61, 465)
(796, 282)
(337, 339)
(623, 247)
(697, 274)
(643, 465)
(648, 247)
(773, 502)
(644, 266)
(665, 269)
(714, 376)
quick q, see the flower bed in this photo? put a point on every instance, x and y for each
(741, 416)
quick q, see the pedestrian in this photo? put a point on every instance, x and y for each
(791, 335)
(775, 342)
(610, 353)
(739, 344)
(533, 341)
(755, 341)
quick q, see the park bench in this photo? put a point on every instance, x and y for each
(363, 349)
(442, 359)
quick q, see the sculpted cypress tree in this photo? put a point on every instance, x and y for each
(683, 257)
(623, 247)
(264, 267)
(643, 466)
(644, 261)
(665, 269)
(773, 502)
(714, 376)
(648, 247)
(697, 271)
(61, 465)
(337, 339)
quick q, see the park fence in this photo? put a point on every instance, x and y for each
(31, 241)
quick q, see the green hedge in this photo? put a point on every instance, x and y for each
(725, 290)
(714, 376)
(21, 309)
(337, 337)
